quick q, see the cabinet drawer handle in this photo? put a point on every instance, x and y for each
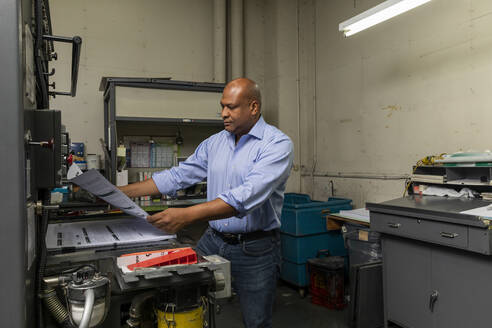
(394, 225)
(449, 234)
(432, 299)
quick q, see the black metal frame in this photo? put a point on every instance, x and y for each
(76, 42)
(45, 52)
(42, 51)
(108, 87)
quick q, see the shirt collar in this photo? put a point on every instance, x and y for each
(258, 129)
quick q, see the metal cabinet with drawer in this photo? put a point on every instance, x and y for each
(437, 263)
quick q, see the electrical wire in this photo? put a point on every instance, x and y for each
(80, 267)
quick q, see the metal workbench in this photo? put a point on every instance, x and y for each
(436, 262)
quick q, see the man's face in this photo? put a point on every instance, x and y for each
(238, 112)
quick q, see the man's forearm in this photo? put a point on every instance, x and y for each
(213, 210)
(174, 219)
(143, 188)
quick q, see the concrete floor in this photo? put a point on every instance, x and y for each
(290, 311)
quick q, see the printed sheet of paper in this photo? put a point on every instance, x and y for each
(96, 184)
(109, 232)
(484, 211)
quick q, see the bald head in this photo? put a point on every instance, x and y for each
(241, 102)
(248, 89)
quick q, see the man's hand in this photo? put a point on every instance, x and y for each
(175, 219)
(171, 220)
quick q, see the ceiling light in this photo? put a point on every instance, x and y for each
(378, 14)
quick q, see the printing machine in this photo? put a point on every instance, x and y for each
(135, 299)
(55, 288)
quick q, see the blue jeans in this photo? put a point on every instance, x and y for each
(254, 268)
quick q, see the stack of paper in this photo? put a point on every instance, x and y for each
(486, 196)
(428, 178)
(359, 214)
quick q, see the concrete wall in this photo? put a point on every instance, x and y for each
(409, 87)
(369, 105)
(150, 38)
(173, 38)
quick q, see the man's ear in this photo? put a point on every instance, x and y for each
(254, 107)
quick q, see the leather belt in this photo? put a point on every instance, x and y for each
(236, 238)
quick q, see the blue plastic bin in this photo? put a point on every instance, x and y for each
(302, 216)
(294, 273)
(293, 198)
(303, 234)
(300, 249)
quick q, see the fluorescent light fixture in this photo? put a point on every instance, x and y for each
(378, 14)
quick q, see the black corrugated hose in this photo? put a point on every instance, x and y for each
(41, 266)
(48, 295)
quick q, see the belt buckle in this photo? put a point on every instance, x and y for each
(232, 238)
(235, 239)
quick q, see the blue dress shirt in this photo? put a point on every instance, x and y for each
(249, 176)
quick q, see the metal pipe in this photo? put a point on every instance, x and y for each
(76, 47)
(88, 306)
(65, 39)
(136, 308)
(371, 176)
(237, 39)
(298, 85)
(315, 97)
(220, 41)
(53, 281)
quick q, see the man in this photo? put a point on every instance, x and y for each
(247, 166)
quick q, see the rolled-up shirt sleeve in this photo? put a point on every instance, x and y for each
(271, 169)
(188, 173)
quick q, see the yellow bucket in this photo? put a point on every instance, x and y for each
(184, 319)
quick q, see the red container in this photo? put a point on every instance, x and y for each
(176, 256)
(327, 285)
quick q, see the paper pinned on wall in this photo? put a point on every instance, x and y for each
(96, 184)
